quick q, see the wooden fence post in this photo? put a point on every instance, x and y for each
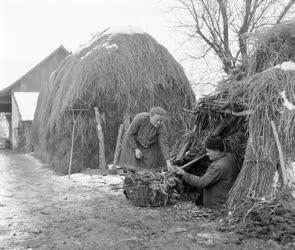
(72, 144)
(281, 156)
(102, 160)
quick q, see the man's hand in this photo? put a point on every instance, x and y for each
(179, 171)
(138, 154)
(169, 165)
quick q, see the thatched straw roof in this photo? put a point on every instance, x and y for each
(119, 72)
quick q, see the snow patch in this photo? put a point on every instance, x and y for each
(290, 172)
(286, 66)
(93, 181)
(105, 45)
(287, 104)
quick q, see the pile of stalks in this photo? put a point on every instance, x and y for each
(265, 219)
(262, 93)
(210, 112)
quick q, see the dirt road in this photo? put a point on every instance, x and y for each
(41, 210)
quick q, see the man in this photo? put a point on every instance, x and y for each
(220, 175)
(145, 145)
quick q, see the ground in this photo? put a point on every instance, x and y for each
(42, 210)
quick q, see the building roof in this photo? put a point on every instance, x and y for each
(5, 94)
(26, 103)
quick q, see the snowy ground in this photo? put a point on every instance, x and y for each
(41, 210)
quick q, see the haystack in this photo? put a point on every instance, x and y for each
(120, 71)
(271, 47)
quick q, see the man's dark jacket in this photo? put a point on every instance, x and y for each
(216, 182)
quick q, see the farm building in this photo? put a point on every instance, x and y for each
(18, 101)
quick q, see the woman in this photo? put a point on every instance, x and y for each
(145, 144)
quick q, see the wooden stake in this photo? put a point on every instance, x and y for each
(282, 162)
(72, 145)
(102, 160)
(118, 145)
(126, 121)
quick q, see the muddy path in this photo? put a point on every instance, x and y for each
(41, 210)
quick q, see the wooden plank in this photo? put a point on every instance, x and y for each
(102, 160)
(118, 145)
(281, 156)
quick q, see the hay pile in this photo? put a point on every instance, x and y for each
(120, 72)
(271, 47)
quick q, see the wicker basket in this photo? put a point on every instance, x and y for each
(142, 196)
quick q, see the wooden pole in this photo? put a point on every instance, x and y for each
(193, 161)
(281, 156)
(102, 160)
(72, 145)
(118, 145)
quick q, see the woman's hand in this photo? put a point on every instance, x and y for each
(138, 154)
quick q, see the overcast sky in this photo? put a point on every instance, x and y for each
(31, 29)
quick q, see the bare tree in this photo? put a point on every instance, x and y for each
(221, 26)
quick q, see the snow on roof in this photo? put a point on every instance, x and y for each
(124, 30)
(104, 45)
(26, 102)
(289, 65)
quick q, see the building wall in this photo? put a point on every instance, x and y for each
(33, 82)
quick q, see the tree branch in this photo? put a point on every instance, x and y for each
(284, 12)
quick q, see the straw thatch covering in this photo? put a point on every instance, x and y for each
(123, 72)
(272, 46)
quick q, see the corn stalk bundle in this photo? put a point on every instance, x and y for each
(157, 184)
(261, 157)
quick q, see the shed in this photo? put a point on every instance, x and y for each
(32, 81)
